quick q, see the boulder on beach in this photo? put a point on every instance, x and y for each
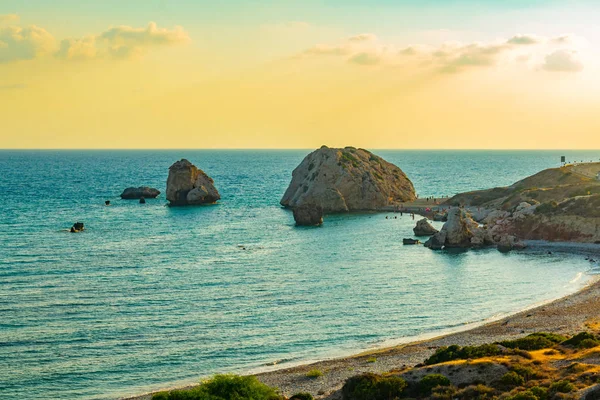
(188, 185)
(77, 227)
(133, 193)
(348, 179)
(424, 228)
(308, 215)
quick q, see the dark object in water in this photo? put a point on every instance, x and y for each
(142, 200)
(308, 215)
(77, 227)
(410, 241)
(107, 203)
(132, 193)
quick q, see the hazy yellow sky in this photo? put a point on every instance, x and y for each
(246, 74)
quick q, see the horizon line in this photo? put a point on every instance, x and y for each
(276, 149)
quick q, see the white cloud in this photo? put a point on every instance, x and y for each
(524, 40)
(326, 50)
(562, 61)
(121, 42)
(6, 18)
(363, 37)
(365, 58)
(454, 57)
(18, 43)
(77, 49)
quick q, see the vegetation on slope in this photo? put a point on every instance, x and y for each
(540, 366)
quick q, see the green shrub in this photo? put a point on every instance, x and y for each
(443, 393)
(535, 341)
(562, 387)
(588, 344)
(302, 396)
(546, 208)
(373, 387)
(525, 395)
(526, 372)
(454, 352)
(428, 382)
(512, 379)
(540, 392)
(372, 359)
(224, 387)
(475, 392)
(314, 373)
(576, 340)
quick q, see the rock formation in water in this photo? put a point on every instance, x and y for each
(308, 215)
(347, 179)
(460, 231)
(132, 193)
(424, 228)
(188, 185)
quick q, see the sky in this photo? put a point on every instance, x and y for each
(428, 74)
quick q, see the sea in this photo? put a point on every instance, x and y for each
(151, 296)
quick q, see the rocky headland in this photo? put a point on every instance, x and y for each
(348, 179)
(188, 185)
(557, 204)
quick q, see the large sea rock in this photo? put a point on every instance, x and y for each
(188, 185)
(347, 179)
(137, 193)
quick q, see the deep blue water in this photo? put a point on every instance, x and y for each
(149, 296)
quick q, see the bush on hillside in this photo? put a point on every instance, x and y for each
(224, 387)
(373, 387)
(454, 352)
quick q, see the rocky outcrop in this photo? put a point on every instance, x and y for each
(424, 228)
(133, 193)
(557, 204)
(347, 179)
(308, 215)
(460, 231)
(188, 185)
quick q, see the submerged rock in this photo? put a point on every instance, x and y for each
(133, 193)
(188, 185)
(424, 228)
(142, 200)
(77, 227)
(347, 179)
(308, 215)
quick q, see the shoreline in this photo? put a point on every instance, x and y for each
(567, 315)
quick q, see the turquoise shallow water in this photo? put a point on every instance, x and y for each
(150, 296)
